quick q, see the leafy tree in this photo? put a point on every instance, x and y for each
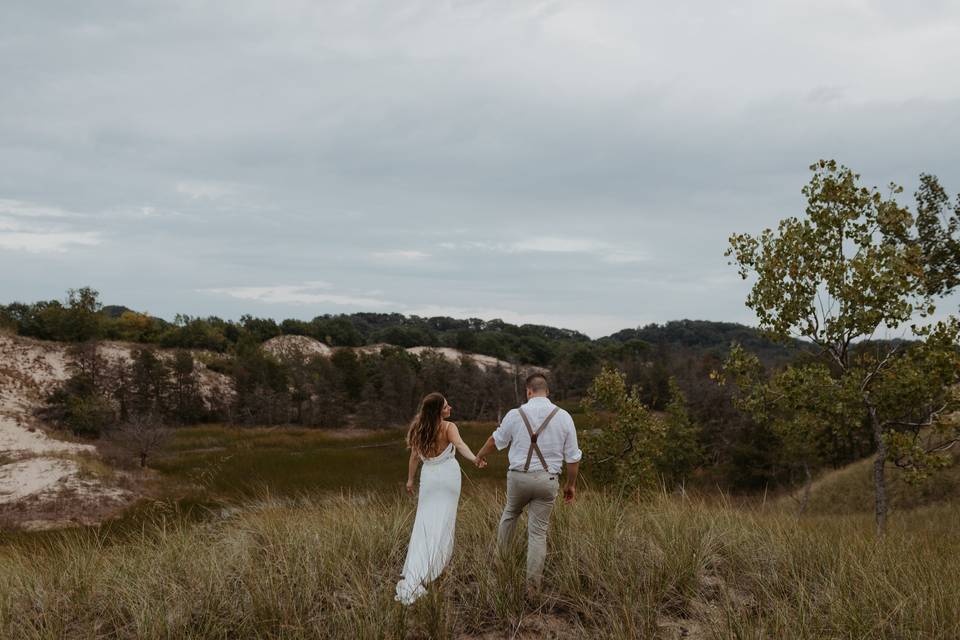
(575, 369)
(81, 319)
(815, 419)
(135, 327)
(850, 267)
(261, 328)
(149, 383)
(185, 388)
(8, 318)
(681, 452)
(338, 332)
(261, 384)
(198, 333)
(327, 406)
(78, 403)
(390, 395)
(626, 451)
(351, 372)
(938, 234)
(404, 336)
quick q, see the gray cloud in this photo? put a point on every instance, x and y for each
(580, 161)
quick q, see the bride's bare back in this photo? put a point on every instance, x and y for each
(442, 441)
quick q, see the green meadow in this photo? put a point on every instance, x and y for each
(227, 463)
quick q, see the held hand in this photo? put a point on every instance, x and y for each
(569, 493)
(410, 487)
(481, 463)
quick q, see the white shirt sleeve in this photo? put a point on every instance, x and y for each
(504, 433)
(571, 451)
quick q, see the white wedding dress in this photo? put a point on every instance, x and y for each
(431, 542)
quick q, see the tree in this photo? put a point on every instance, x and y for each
(261, 384)
(938, 235)
(328, 401)
(261, 328)
(815, 419)
(681, 452)
(853, 265)
(142, 435)
(149, 383)
(350, 372)
(136, 327)
(78, 403)
(625, 452)
(187, 400)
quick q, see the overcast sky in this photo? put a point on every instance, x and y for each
(578, 164)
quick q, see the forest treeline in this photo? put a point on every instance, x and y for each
(81, 317)
(381, 388)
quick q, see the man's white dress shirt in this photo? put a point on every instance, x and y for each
(558, 442)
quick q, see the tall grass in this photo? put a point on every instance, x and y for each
(851, 488)
(619, 567)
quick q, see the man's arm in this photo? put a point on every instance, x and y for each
(570, 491)
(499, 440)
(572, 456)
(488, 447)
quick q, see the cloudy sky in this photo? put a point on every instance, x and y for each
(579, 164)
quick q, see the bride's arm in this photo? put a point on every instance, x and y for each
(412, 470)
(453, 434)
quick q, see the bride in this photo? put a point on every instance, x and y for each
(432, 440)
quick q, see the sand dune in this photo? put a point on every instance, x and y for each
(42, 479)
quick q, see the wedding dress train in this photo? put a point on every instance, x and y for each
(431, 541)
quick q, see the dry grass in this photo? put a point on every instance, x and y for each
(325, 567)
(850, 489)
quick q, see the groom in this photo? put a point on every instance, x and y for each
(541, 437)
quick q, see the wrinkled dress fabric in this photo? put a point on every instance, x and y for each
(431, 541)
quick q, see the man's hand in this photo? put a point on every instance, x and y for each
(488, 447)
(480, 462)
(569, 493)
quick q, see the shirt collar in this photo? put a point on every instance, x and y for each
(539, 400)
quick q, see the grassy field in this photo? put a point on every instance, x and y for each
(298, 533)
(226, 463)
(850, 489)
(325, 567)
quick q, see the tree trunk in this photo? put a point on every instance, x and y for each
(879, 474)
(143, 459)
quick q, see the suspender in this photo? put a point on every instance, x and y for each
(533, 437)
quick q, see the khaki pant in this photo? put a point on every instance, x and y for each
(538, 489)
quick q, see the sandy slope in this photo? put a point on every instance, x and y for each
(43, 481)
(289, 345)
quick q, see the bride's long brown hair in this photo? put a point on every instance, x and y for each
(423, 431)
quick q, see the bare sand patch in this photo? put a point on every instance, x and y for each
(42, 485)
(287, 346)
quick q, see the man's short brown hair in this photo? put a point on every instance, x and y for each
(537, 383)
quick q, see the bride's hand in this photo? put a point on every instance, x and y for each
(410, 487)
(481, 463)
